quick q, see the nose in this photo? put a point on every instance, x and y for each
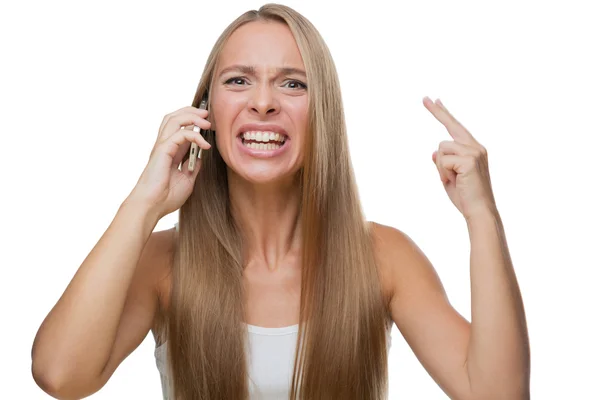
(263, 101)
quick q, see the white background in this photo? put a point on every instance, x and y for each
(84, 87)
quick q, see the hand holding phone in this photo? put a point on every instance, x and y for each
(165, 185)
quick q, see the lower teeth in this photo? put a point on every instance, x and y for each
(262, 146)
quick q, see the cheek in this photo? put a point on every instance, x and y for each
(223, 107)
(301, 122)
(221, 124)
(218, 119)
(304, 118)
(224, 145)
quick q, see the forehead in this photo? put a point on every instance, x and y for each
(263, 45)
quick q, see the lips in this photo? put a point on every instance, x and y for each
(261, 149)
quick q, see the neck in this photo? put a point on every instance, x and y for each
(269, 218)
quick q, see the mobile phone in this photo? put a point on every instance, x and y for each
(195, 150)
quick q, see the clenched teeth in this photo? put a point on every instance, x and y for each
(261, 136)
(262, 146)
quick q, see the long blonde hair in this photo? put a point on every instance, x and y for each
(341, 350)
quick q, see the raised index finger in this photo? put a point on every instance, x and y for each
(455, 128)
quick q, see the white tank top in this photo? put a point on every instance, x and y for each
(270, 361)
(270, 358)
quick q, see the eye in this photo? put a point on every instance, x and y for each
(237, 79)
(297, 84)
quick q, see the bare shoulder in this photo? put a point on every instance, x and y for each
(393, 250)
(390, 243)
(407, 269)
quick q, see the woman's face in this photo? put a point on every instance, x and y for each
(260, 103)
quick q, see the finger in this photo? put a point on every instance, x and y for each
(438, 163)
(452, 164)
(182, 154)
(437, 112)
(198, 148)
(460, 149)
(184, 110)
(197, 151)
(187, 109)
(178, 144)
(454, 128)
(181, 121)
(439, 103)
(443, 107)
(444, 176)
(190, 127)
(468, 137)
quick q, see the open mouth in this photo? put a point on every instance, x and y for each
(262, 140)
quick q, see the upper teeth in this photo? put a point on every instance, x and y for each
(261, 136)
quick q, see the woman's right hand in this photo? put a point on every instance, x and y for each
(162, 186)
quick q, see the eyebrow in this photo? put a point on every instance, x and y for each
(250, 70)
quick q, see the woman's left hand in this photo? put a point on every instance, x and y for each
(463, 166)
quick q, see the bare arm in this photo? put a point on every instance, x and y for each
(106, 310)
(111, 303)
(488, 358)
(437, 334)
(498, 356)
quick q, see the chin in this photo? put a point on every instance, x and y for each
(263, 174)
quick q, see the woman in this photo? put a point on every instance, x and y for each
(274, 285)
